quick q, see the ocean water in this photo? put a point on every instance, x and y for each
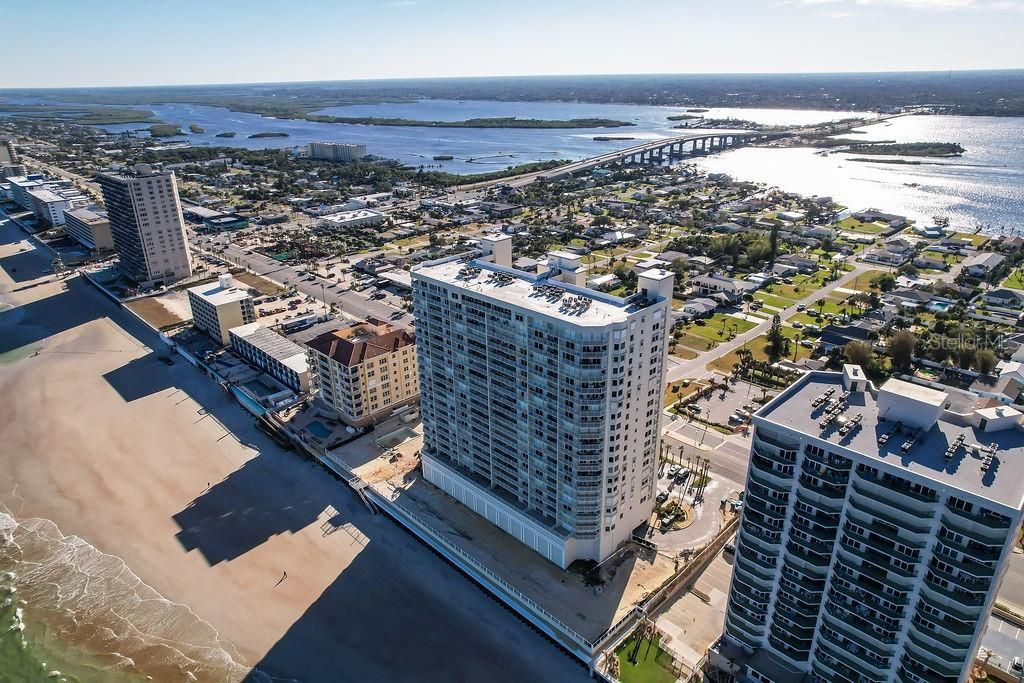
(69, 612)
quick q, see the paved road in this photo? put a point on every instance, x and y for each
(1012, 588)
(353, 303)
(694, 368)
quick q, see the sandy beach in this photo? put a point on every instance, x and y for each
(152, 463)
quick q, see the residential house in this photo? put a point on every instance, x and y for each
(803, 263)
(1005, 297)
(699, 307)
(713, 283)
(980, 265)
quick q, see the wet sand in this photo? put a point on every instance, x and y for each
(154, 465)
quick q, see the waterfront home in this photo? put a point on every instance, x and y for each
(1005, 297)
(980, 265)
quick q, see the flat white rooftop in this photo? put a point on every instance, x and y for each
(915, 392)
(1003, 483)
(215, 295)
(518, 289)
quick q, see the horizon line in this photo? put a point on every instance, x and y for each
(521, 76)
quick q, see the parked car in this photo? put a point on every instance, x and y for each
(729, 548)
(673, 470)
(662, 497)
(800, 307)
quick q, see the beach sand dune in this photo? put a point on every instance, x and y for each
(155, 465)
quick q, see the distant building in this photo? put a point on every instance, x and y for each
(365, 371)
(147, 225)
(11, 171)
(48, 206)
(354, 219)
(90, 229)
(227, 221)
(500, 209)
(336, 151)
(219, 306)
(8, 155)
(732, 288)
(281, 358)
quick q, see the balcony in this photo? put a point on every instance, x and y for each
(942, 595)
(757, 478)
(853, 596)
(929, 655)
(744, 634)
(797, 651)
(983, 529)
(869, 633)
(823, 488)
(826, 474)
(966, 565)
(852, 667)
(758, 530)
(946, 629)
(839, 464)
(876, 557)
(788, 446)
(763, 467)
(746, 615)
(875, 539)
(742, 571)
(874, 497)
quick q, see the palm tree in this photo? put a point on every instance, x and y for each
(610, 664)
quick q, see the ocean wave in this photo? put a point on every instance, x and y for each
(83, 615)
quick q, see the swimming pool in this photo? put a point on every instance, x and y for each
(938, 306)
(318, 429)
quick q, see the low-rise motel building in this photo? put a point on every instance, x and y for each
(219, 306)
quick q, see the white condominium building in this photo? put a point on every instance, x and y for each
(147, 225)
(876, 529)
(219, 306)
(365, 371)
(336, 151)
(541, 399)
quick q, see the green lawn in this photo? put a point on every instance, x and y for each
(1015, 281)
(976, 239)
(774, 300)
(853, 225)
(695, 342)
(652, 664)
(714, 326)
(863, 282)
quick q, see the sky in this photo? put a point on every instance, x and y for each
(119, 43)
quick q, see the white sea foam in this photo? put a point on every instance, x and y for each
(79, 600)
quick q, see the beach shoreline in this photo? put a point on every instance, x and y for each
(155, 465)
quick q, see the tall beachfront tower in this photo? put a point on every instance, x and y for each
(541, 399)
(146, 224)
(876, 529)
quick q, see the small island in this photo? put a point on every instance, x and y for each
(911, 149)
(697, 111)
(684, 117)
(164, 130)
(498, 122)
(228, 134)
(607, 138)
(198, 130)
(443, 157)
(268, 135)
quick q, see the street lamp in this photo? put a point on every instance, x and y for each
(323, 288)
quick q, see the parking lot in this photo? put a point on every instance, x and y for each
(720, 406)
